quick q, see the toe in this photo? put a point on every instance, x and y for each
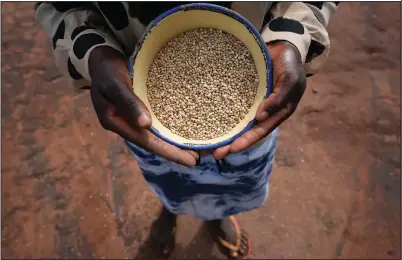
(244, 245)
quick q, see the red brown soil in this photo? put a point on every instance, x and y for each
(72, 190)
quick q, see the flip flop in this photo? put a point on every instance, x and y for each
(243, 241)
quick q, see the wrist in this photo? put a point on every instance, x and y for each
(103, 56)
(283, 46)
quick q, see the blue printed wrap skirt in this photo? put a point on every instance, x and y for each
(212, 189)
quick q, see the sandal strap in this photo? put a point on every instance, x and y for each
(228, 245)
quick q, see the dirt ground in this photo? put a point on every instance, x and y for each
(72, 190)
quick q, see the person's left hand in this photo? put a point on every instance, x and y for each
(289, 85)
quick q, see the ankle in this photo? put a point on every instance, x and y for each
(167, 214)
(214, 224)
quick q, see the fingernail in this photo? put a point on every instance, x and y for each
(143, 120)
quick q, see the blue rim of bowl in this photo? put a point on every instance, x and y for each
(232, 14)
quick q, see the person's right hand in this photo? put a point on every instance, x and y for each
(119, 110)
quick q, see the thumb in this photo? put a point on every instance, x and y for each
(129, 105)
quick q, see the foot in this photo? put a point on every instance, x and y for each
(233, 240)
(163, 232)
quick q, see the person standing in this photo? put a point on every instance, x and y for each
(92, 42)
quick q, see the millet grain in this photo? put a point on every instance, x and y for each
(202, 83)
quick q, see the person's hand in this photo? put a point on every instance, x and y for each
(122, 112)
(289, 85)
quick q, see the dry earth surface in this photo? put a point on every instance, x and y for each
(72, 190)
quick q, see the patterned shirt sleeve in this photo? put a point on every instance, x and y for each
(75, 29)
(304, 25)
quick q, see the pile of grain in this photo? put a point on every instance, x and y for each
(202, 83)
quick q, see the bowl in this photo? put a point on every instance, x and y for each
(188, 17)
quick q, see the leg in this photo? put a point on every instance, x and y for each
(233, 240)
(163, 232)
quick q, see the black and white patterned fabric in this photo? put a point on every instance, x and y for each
(76, 28)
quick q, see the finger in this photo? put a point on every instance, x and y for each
(128, 104)
(193, 153)
(145, 139)
(259, 131)
(172, 153)
(221, 152)
(248, 139)
(266, 105)
(272, 104)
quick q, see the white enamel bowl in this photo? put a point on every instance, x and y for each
(184, 18)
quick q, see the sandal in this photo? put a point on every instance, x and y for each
(241, 249)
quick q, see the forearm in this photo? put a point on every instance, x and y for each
(76, 30)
